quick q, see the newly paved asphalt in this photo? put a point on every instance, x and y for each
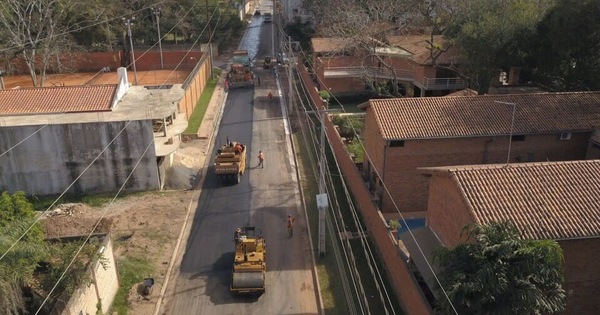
(263, 199)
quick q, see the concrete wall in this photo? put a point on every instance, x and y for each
(104, 286)
(50, 160)
(404, 284)
(409, 188)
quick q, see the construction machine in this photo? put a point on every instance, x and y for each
(239, 77)
(267, 63)
(230, 162)
(249, 264)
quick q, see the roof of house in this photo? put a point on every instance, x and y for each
(47, 100)
(327, 45)
(420, 47)
(482, 115)
(416, 45)
(463, 92)
(549, 200)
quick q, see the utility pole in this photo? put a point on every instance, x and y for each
(290, 73)
(128, 24)
(512, 124)
(212, 73)
(156, 12)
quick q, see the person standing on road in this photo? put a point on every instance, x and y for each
(258, 79)
(261, 159)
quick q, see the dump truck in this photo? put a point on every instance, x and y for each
(249, 264)
(239, 77)
(230, 162)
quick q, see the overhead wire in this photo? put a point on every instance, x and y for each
(84, 170)
(393, 202)
(116, 195)
(138, 57)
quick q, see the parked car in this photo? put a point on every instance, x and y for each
(268, 17)
(282, 59)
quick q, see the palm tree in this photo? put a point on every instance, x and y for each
(498, 272)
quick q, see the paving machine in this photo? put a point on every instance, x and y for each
(249, 264)
(230, 162)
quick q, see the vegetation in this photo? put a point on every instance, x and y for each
(497, 272)
(19, 263)
(350, 127)
(198, 114)
(42, 33)
(554, 43)
(132, 270)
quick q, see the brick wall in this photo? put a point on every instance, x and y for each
(447, 212)
(194, 86)
(404, 284)
(582, 275)
(409, 188)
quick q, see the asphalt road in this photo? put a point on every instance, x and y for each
(264, 198)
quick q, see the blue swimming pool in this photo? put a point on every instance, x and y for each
(410, 224)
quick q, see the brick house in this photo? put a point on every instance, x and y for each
(546, 200)
(345, 71)
(404, 134)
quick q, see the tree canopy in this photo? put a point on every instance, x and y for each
(497, 272)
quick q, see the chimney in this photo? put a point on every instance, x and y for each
(513, 76)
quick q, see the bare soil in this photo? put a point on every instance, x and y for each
(141, 225)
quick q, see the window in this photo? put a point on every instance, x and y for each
(396, 143)
(565, 136)
(518, 138)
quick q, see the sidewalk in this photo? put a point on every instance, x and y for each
(213, 111)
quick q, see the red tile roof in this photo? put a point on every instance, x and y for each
(480, 115)
(552, 200)
(419, 46)
(57, 99)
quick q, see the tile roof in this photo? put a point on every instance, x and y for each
(549, 200)
(56, 100)
(419, 46)
(326, 45)
(480, 115)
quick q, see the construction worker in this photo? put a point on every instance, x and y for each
(270, 96)
(261, 159)
(290, 224)
(238, 148)
(237, 235)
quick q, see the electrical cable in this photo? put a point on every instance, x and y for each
(393, 202)
(95, 226)
(112, 201)
(79, 176)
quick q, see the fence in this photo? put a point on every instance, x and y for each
(405, 285)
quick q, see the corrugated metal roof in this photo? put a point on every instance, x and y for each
(57, 99)
(480, 115)
(551, 200)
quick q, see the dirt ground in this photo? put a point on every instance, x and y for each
(146, 225)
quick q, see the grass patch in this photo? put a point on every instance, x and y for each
(202, 105)
(96, 201)
(132, 270)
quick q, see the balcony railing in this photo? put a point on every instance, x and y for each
(341, 72)
(401, 74)
(444, 83)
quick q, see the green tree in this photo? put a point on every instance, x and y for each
(488, 33)
(564, 52)
(18, 263)
(498, 272)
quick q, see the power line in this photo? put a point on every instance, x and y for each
(94, 228)
(393, 202)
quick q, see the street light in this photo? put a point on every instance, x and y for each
(128, 24)
(512, 124)
(156, 12)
